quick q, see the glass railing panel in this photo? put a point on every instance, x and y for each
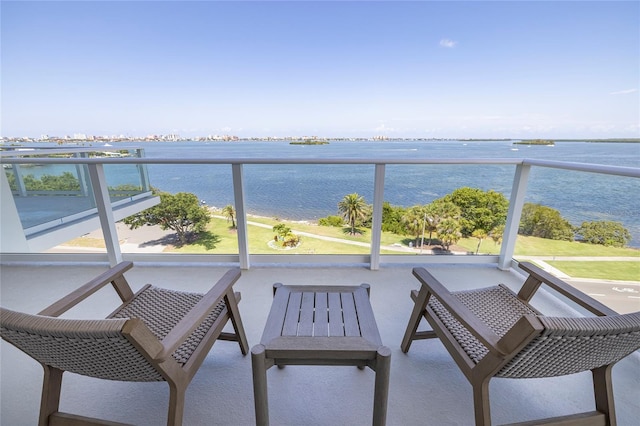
(51, 194)
(579, 197)
(412, 220)
(211, 187)
(46, 193)
(294, 208)
(576, 216)
(125, 181)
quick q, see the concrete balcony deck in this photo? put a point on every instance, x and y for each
(426, 386)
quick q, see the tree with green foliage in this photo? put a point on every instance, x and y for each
(335, 221)
(230, 213)
(354, 210)
(496, 234)
(480, 234)
(437, 211)
(479, 209)
(449, 232)
(281, 230)
(285, 236)
(63, 182)
(392, 218)
(544, 222)
(414, 222)
(179, 212)
(607, 233)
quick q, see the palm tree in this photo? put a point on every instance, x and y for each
(480, 234)
(449, 232)
(353, 208)
(438, 211)
(230, 214)
(496, 234)
(414, 221)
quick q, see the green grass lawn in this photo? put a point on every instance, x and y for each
(532, 246)
(610, 270)
(221, 239)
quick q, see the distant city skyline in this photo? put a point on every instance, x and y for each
(450, 70)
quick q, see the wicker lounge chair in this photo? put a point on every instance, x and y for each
(492, 332)
(155, 335)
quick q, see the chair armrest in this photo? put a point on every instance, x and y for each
(460, 312)
(538, 276)
(182, 330)
(113, 275)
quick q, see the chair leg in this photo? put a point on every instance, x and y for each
(260, 395)
(603, 390)
(481, 405)
(414, 320)
(50, 402)
(236, 321)
(176, 404)
(381, 390)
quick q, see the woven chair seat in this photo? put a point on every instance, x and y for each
(95, 348)
(572, 345)
(566, 346)
(162, 309)
(496, 306)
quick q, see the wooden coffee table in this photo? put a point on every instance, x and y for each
(321, 325)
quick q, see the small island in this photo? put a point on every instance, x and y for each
(309, 142)
(536, 142)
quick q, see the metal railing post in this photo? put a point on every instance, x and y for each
(105, 212)
(82, 176)
(145, 184)
(516, 202)
(376, 223)
(20, 186)
(241, 216)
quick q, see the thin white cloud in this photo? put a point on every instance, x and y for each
(624, 92)
(445, 42)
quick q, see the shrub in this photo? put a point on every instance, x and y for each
(335, 221)
(604, 232)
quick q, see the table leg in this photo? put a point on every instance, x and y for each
(259, 367)
(381, 392)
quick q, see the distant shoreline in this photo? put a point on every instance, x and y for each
(290, 140)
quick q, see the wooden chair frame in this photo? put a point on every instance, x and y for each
(503, 349)
(157, 352)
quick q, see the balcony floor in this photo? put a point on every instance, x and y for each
(426, 386)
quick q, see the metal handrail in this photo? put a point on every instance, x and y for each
(585, 167)
(521, 176)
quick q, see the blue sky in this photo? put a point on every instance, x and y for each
(556, 69)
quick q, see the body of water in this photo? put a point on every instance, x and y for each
(309, 192)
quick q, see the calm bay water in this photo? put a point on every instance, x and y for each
(303, 192)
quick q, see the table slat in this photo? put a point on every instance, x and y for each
(305, 326)
(351, 327)
(275, 320)
(321, 323)
(292, 316)
(366, 319)
(336, 327)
